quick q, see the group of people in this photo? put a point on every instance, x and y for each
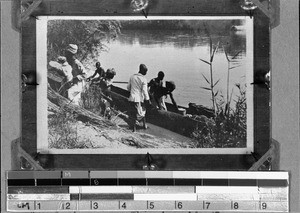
(74, 74)
(142, 93)
(73, 71)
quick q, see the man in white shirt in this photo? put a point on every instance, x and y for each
(138, 88)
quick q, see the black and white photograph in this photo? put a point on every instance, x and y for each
(131, 85)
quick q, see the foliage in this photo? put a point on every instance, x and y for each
(89, 35)
(226, 129)
(217, 27)
(91, 99)
(95, 101)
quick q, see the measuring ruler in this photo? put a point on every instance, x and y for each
(79, 191)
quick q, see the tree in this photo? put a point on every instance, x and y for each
(89, 35)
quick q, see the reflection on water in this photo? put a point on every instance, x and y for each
(177, 53)
(234, 41)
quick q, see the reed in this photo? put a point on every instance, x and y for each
(210, 80)
(228, 127)
(231, 64)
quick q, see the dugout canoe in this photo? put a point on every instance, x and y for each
(171, 120)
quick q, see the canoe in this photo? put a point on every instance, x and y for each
(171, 120)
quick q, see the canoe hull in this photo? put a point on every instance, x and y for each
(175, 122)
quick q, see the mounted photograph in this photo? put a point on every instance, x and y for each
(132, 85)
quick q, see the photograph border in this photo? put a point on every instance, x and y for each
(42, 123)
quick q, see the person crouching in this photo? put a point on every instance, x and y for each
(105, 86)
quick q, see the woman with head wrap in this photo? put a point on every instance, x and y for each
(78, 72)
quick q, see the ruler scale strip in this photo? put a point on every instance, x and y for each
(104, 205)
(77, 191)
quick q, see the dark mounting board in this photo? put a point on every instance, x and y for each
(135, 162)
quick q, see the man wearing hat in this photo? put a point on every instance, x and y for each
(138, 89)
(78, 71)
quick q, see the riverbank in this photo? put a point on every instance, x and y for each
(70, 133)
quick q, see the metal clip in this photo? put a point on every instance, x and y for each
(262, 79)
(140, 6)
(28, 79)
(249, 7)
(270, 8)
(150, 165)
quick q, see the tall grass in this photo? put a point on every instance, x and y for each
(64, 127)
(231, 64)
(63, 133)
(228, 127)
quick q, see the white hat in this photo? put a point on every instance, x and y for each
(72, 48)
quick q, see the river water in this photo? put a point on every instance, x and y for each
(177, 54)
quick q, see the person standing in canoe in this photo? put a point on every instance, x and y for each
(79, 74)
(138, 88)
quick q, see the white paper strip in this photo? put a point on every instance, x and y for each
(227, 189)
(192, 197)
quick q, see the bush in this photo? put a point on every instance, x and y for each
(91, 99)
(95, 101)
(227, 129)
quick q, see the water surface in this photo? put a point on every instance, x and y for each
(177, 54)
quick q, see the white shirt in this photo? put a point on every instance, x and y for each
(67, 70)
(138, 88)
(78, 70)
